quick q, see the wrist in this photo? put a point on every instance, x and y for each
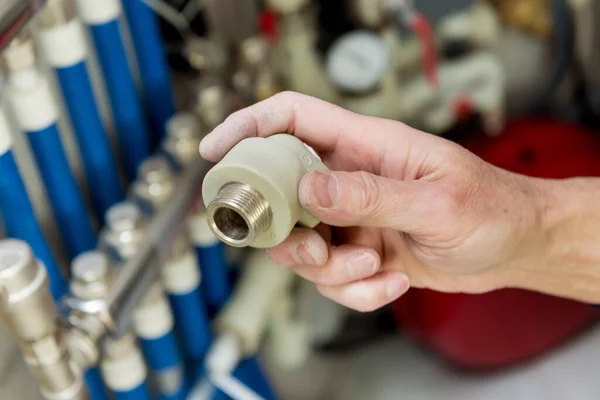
(563, 258)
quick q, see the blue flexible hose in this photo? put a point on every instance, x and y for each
(192, 323)
(128, 113)
(65, 197)
(152, 61)
(20, 221)
(95, 384)
(141, 392)
(99, 161)
(164, 360)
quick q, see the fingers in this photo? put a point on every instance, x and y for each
(296, 114)
(324, 126)
(350, 274)
(362, 199)
(369, 294)
(309, 255)
(346, 264)
(302, 247)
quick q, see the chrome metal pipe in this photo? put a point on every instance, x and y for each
(28, 310)
(138, 273)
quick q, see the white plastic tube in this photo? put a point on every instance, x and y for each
(247, 314)
(221, 361)
(64, 45)
(5, 134)
(478, 76)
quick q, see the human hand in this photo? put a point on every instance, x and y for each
(398, 205)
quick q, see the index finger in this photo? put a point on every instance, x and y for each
(327, 128)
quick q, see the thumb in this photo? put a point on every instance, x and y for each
(363, 199)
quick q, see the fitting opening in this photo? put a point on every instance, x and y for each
(231, 224)
(239, 214)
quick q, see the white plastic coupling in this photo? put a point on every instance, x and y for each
(20, 54)
(64, 45)
(99, 12)
(251, 196)
(32, 100)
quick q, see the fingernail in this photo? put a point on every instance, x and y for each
(396, 286)
(362, 265)
(325, 189)
(304, 255)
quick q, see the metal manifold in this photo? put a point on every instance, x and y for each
(149, 307)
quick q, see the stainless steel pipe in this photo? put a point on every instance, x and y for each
(138, 273)
(29, 312)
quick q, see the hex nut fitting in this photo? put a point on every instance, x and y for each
(184, 133)
(155, 184)
(124, 232)
(251, 196)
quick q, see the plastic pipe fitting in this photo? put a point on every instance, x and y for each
(124, 369)
(250, 310)
(251, 196)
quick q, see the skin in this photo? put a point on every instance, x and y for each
(403, 208)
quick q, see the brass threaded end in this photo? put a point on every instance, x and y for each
(239, 214)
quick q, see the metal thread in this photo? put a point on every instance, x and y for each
(239, 214)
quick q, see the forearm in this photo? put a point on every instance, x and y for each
(566, 259)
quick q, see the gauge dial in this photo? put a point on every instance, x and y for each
(358, 61)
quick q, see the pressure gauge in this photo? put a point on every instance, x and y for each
(358, 61)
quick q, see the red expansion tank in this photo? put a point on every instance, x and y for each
(506, 327)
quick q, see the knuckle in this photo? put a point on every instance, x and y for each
(286, 97)
(370, 198)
